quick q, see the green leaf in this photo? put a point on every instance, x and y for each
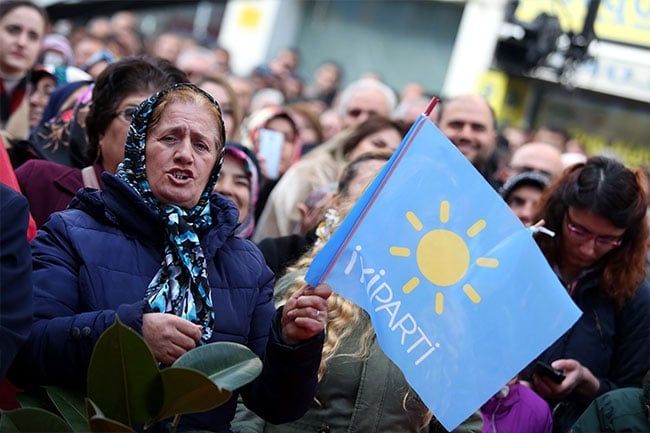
(30, 420)
(228, 365)
(35, 397)
(70, 404)
(100, 424)
(189, 391)
(92, 409)
(123, 377)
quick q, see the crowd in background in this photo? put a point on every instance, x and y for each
(68, 103)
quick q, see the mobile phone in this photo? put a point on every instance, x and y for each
(270, 148)
(546, 370)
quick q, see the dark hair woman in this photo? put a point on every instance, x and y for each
(598, 212)
(119, 90)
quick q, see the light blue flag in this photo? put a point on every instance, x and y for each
(460, 296)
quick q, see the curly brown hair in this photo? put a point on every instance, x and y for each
(608, 189)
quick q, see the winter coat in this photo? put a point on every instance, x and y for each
(15, 276)
(94, 261)
(516, 409)
(8, 177)
(620, 410)
(613, 343)
(50, 187)
(356, 394)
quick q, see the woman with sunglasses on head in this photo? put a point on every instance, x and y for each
(598, 213)
(122, 86)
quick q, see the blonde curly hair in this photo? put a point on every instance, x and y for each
(343, 319)
(343, 316)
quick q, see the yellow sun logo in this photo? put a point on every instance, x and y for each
(443, 257)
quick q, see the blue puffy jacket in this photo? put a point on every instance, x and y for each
(95, 260)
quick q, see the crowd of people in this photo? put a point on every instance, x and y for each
(189, 202)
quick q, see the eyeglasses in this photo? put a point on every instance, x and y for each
(582, 234)
(126, 114)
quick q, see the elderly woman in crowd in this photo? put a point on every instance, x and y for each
(157, 248)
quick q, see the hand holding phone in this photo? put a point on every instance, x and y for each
(546, 370)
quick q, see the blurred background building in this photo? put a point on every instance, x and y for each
(578, 65)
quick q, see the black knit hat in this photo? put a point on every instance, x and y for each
(529, 178)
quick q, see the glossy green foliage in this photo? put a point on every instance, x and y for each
(71, 406)
(127, 389)
(188, 391)
(228, 365)
(100, 424)
(123, 377)
(32, 419)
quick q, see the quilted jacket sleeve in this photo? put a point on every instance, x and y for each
(287, 386)
(66, 324)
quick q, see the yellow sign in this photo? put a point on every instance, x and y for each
(493, 85)
(249, 17)
(626, 21)
(508, 96)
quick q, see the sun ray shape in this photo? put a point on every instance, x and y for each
(400, 251)
(471, 293)
(444, 211)
(440, 302)
(410, 285)
(443, 257)
(487, 262)
(476, 228)
(414, 220)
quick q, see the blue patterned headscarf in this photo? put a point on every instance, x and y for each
(181, 284)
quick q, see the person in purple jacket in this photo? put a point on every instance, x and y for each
(157, 248)
(516, 408)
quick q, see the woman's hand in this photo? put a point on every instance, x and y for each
(311, 216)
(578, 379)
(169, 336)
(305, 313)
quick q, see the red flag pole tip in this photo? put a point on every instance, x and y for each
(432, 104)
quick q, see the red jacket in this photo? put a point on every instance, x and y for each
(8, 177)
(49, 187)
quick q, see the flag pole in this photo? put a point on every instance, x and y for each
(432, 104)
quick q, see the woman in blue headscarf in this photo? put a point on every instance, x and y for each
(158, 249)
